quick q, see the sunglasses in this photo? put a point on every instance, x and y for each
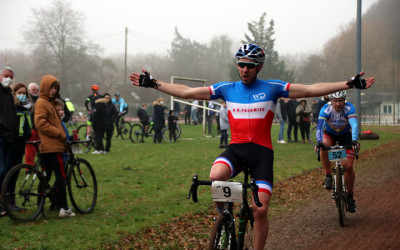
(249, 65)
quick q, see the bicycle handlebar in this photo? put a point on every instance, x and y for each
(196, 183)
(336, 147)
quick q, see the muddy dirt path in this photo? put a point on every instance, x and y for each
(375, 225)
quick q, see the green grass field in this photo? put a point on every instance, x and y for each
(142, 185)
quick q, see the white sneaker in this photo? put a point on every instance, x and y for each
(96, 152)
(66, 213)
(281, 141)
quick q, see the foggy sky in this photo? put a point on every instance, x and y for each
(300, 26)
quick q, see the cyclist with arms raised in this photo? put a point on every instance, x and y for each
(337, 122)
(121, 107)
(251, 105)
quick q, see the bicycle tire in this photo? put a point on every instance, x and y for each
(340, 197)
(82, 186)
(135, 133)
(245, 233)
(125, 130)
(222, 237)
(166, 134)
(27, 186)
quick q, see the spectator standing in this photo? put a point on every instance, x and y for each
(99, 125)
(8, 124)
(291, 106)
(210, 116)
(144, 119)
(193, 112)
(303, 112)
(177, 109)
(159, 119)
(110, 114)
(53, 140)
(89, 104)
(172, 120)
(23, 110)
(188, 110)
(224, 124)
(281, 113)
(30, 150)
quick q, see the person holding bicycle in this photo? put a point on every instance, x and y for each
(251, 104)
(121, 107)
(53, 139)
(144, 119)
(337, 122)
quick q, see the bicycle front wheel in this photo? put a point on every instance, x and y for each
(82, 186)
(135, 133)
(222, 236)
(125, 130)
(26, 202)
(313, 136)
(340, 197)
(167, 135)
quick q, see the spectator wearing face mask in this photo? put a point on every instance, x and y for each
(23, 108)
(8, 123)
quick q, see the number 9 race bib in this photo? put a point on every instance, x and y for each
(224, 191)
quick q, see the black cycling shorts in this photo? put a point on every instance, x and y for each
(257, 158)
(343, 140)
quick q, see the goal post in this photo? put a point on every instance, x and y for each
(197, 82)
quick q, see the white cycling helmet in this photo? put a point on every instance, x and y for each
(339, 94)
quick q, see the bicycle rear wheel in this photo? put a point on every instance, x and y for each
(135, 133)
(26, 202)
(166, 133)
(125, 130)
(82, 186)
(222, 236)
(340, 197)
(245, 239)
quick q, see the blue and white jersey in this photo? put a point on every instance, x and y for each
(337, 122)
(250, 108)
(120, 105)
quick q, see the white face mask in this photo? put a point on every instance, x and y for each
(6, 82)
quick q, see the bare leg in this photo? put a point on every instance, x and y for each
(261, 226)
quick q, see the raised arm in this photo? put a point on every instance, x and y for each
(178, 90)
(320, 89)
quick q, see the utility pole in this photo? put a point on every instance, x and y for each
(358, 64)
(126, 54)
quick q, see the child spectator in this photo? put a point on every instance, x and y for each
(172, 120)
(53, 140)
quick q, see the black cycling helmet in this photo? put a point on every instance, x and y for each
(117, 94)
(251, 51)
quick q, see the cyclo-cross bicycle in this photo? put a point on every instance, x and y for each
(33, 186)
(223, 235)
(137, 131)
(123, 128)
(339, 194)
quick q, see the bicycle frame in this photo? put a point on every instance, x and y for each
(245, 215)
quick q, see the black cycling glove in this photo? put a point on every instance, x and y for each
(356, 82)
(320, 145)
(146, 80)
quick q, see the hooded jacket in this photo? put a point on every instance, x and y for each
(47, 121)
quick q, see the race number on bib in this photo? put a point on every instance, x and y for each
(224, 191)
(337, 154)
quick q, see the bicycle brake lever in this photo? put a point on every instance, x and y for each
(254, 189)
(193, 188)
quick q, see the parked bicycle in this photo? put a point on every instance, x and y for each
(123, 129)
(223, 235)
(137, 131)
(33, 186)
(339, 194)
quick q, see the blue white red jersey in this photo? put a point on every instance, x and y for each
(337, 123)
(120, 105)
(251, 108)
